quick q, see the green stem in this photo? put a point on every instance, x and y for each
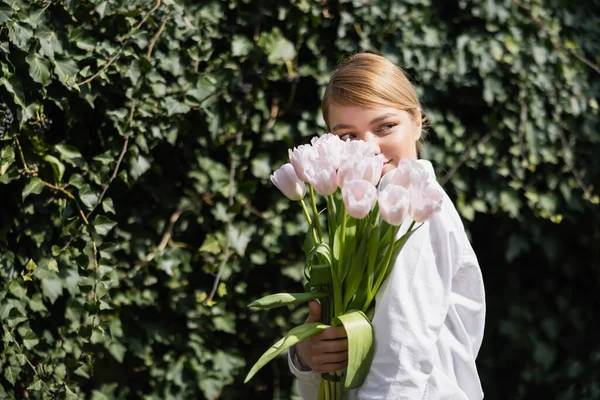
(383, 270)
(331, 225)
(308, 219)
(340, 271)
(315, 212)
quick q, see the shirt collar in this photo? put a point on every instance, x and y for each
(428, 166)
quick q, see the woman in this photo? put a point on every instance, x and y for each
(429, 314)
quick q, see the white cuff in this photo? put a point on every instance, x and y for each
(305, 376)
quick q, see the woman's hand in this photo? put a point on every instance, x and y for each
(326, 351)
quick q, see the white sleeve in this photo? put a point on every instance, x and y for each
(308, 381)
(410, 310)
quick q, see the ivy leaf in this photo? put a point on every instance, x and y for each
(34, 186)
(240, 237)
(103, 225)
(35, 385)
(30, 340)
(70, 154)
(35, 16)
(278, 48)
(139, 166)
(39, 69)
(52, 288)
(174, 106)
(11, 374)
(101, 9)
(57, 166)
(19, 34)
(88, 197)
(14, 87)
(240, 46)
(66, 69)
(108, 206)
(202, 90)
(53, 265)
(7, 158)
(49, 43)
(211, 245)
(5, 13)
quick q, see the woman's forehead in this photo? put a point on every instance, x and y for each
(362, 114)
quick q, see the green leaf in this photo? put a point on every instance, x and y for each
(240, 46)
(14, 87)
(278, 48)
(52, 288)
(240, 237)
(108, 206)
(284, 299)
(57, 166)
(65, 69)
(5, 13)
(70, 154)
(88, 196)
(53, 265)
(30, 340)
(101, 9)
(117, 350)
(39, 69)
(70, 394)
(320, 275)
(103, 224)
(20, 34)
(139, 166)
(202, 90)
(211, 245)
(11, 374)
(17, 290)
(35, 16)
(294, 336)
(134, 71)
(7, 158)
(174, 106)
(31, 265)
(34, 186)
(357, 270)
(360, 346)
(49, 43)
(35, 385)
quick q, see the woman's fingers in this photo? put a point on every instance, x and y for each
(327, 358)
(331, 333)
(330, 367)
(330, 346)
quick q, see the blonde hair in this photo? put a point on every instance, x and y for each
(370, 80)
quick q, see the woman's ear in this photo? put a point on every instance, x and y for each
(418, 123)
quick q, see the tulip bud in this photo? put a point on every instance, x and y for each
(393, 204)
(359, 197)
(322, 175)
(366, 168)
(301, 157)
(425, 201)
(286, 180)
(330, 146)
(408, 173)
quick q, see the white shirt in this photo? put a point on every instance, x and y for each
(428, 322)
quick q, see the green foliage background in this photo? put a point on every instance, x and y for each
(167, 119)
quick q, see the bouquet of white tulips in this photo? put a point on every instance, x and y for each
(349, 258)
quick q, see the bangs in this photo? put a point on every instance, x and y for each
(355, 94)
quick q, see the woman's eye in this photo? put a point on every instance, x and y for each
(347, 136)
(386, 127)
